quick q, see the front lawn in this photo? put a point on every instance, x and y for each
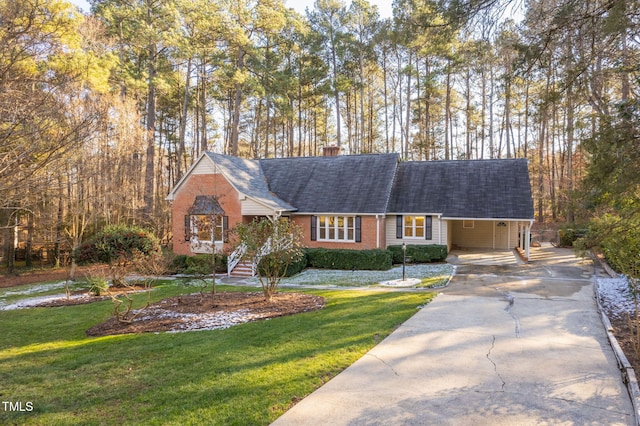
(247, 374)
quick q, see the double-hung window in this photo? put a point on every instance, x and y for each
(207, 228)
(335, 228)
(416, 227)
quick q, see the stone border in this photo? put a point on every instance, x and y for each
(627, 371)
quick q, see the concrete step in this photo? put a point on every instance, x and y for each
(242, 269)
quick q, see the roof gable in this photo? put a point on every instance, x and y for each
(342, 184)
(247, 178)
(465, 189)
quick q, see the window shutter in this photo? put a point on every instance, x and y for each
(358, 229)
(314, 231)
(225, 229)
(187, 227)
(428, 227)
(399, 222)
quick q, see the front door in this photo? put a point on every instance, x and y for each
(501, 233)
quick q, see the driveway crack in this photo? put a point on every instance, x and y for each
(510, 302)
(495, 367)
(385, 363)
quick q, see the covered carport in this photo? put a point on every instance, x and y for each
(496, 234)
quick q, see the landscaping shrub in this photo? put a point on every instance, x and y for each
(117, 243)
(377, 260)
(568, 235)
(420, 253)
(99, 285)
(202, 264)
(178, 264)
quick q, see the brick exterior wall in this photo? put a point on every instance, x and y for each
(203, 184)
(369, 236)
(197, 184)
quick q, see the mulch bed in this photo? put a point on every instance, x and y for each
(624, 337)
(209, 311)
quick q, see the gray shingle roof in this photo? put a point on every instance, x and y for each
(247, 177)
(342, 184)
(378, 183)
(205, 204)
(464, 189)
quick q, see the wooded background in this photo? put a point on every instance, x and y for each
(101, 114)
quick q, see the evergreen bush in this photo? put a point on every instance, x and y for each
(420, 253)
(203, 264)
(569, 234)
(118, 243)
(377, 260)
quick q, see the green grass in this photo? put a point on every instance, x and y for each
(435, 281)
(247, 374)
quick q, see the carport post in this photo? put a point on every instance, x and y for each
(527, 241)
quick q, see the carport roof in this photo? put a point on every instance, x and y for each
(484, 189)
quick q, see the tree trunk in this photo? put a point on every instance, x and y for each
(447, 113)
(183, 123)
(151, 130)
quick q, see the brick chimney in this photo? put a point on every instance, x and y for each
(331, 151)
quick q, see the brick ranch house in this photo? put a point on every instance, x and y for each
(357, 201)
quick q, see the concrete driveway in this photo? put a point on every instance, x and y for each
(505, 344)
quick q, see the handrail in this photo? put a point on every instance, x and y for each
(268, 247)
(235, 257)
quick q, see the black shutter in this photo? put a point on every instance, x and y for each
(358, 229)
(399, 227)
(187, 227)
(314, 224)
(225, 229)
(428, 227)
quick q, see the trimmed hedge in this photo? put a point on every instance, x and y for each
(201, 264)
(420, 253)
(377, 260)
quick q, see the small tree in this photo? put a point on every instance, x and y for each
(151, 267)
(274, 244)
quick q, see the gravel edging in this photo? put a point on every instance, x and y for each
(628, 373)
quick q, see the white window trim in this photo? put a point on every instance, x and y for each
(194, 231)
(345, 227)
(413, 227)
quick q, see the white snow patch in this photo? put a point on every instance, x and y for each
(329, 277)
(616, 297)
(35, 301)
(200, 321)
(409, 282)
(39, 288)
